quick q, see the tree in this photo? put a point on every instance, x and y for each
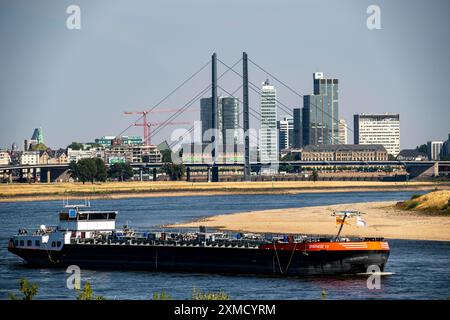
(101, 174)
(88, 169)
(39, 147)
(28, 290)
(121, 171)
(166, 155)
(88, 294)
(315, 175)
(174, 171)
(423, 148)
(76, 146)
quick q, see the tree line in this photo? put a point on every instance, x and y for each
(95, 170)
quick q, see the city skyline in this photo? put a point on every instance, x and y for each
(61, 79)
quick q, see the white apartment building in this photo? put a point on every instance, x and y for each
(77, 155)
(268, 132)
(343, 137)
(29, 158)
(5, 158)
(434, 149)
(285, 132)
(381, 129)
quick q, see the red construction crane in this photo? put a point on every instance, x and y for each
(147, 124)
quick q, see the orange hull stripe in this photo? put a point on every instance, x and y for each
(329, 246)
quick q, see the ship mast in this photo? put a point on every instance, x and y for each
(342, 216)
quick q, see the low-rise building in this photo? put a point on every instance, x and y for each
(201, 153)
(349, 152)
(53, 157)
(107, 141)
(29, 158)
(132, 153)
(77, 155)
(5, 157)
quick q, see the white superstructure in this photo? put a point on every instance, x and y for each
(73, 224)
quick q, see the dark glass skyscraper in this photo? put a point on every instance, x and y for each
(227, 118)
(320, 114)
(297, 132)
(229, 107)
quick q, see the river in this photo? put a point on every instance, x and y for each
(420, 269)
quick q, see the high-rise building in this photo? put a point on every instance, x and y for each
(290, 121)
(285, 133)
(381, 129)
(297, 141)
(38, 135)
(268, 132)
(229, 112)
(434, 149)
(445, 152)
(343, 139)
(227, 118)
(320, 114)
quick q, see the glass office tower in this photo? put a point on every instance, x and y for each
(320, 114)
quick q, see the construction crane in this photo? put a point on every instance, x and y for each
(146, 124)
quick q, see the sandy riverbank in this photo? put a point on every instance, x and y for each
(120, 190)
(383, 218)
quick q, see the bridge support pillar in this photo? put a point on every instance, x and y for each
(188, 174)
(140, 175)
(154, 174)
(215, 173)
(49, 176)
(436, 169)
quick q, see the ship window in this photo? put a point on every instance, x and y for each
(58, 244)
(22, 243)
(98, 216)
(82, 216)
(37, 243)
(112, 215)
(16, 242)
(29, 243)
(53, 244)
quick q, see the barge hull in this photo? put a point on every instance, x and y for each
(207, 259)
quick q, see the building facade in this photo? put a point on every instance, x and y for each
(5, 157)
(123, 153)
(320, 113)
(107, 141)
(29, 158)
(77, 155)
(285, 133)
(53, 157)
(344, 153)
(200, 153)
(434, 149)
(343, 137)
(268, 131)
(381, 129)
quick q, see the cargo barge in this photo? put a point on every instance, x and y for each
(89, 239)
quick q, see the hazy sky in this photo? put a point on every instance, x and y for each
(128, 55)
